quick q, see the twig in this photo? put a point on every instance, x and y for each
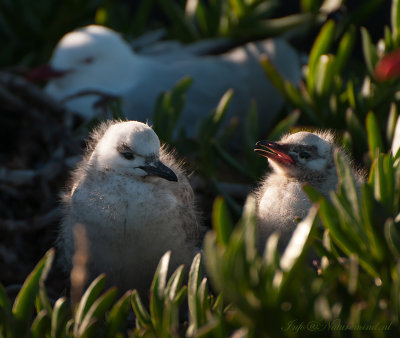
(30, 92)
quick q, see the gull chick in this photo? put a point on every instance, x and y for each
(134, 202)
(296, 159)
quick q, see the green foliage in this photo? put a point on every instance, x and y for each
(15, 320)
(236, 18)
(330, 98)
(354, 232)
(262, 295)
(168, 109)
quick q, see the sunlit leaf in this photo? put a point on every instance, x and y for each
(369, 50)
(118, 315)
(373, 134)
(140, 310)
(87, 300)
(24, 303)
(59, 317)
(321, 46)
(97, 310)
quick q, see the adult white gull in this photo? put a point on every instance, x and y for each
(97, 58)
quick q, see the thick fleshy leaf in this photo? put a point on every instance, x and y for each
(41, 325)
(157, 290)
(87, 300)
(220, 111)
(42, 301)
(118, 315)
(24, 303)
(59, 318)
(356, 128)
(374, 234)
(271, 250)
(321, 46)
(283, 127)
(395, 21)
(373, 134)
(231, 160)
(286, 88)
(369, 50)
(348, 184)
(177, 17)
(221, 220)
(4, 302)
(142, 315)
(392, 234)
(344, 50)
(97, 310)
(168, 109)
(324, 74)
(298, 240)
(174, 283)
(193, 285)
(391, 123)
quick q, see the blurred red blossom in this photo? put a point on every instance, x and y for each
(388, 67)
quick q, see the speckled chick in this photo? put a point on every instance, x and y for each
(296, 159)
(135, 203)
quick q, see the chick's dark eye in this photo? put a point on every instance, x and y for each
(128, 155)
(304, 154)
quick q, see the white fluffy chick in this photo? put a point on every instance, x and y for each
(296, 159)
(134, 202)
(97, 58)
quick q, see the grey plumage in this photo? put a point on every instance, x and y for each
(135, 203)
(296, 159)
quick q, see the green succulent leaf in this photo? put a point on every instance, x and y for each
(142, 315)
(298, 240)
(41, 325)
(157, 290)
(87, 300)
(373, 134)
(321, 46)
(395, 21)
(369, 50)
(118, 315)
(97, 310)
(392, 235)
(193, 286)
(24, 303)
(221, 220)
(59, 318)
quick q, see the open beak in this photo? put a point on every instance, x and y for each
(45, 73)
(157, 168)
(273, 151)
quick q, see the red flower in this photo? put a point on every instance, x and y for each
(388, 67)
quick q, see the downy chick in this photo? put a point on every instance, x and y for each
(135, 203)
(296, 159)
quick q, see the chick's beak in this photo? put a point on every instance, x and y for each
(273, 151)
(159, 169)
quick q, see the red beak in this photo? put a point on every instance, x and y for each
(273, 151)
(45, 73)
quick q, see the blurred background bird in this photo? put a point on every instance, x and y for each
(134, 202)
(96, 59)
